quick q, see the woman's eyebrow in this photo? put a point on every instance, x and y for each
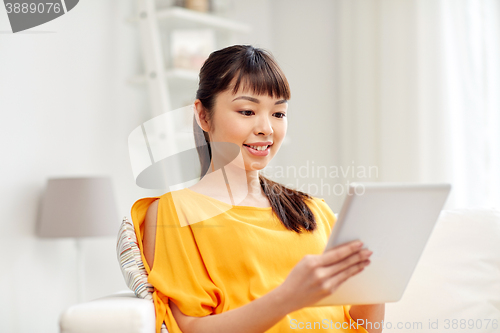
(248, 98)
(255, 100)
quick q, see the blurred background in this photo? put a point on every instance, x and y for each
(382, 90)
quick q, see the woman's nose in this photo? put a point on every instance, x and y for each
(263, 125)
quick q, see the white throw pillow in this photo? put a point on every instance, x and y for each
(131, 265)
(129, 258)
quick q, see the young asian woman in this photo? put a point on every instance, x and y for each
(262, 268)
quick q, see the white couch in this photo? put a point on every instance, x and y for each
(455, 287)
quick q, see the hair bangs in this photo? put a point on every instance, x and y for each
(261, 75)
(245, 66)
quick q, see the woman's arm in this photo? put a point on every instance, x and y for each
(255, 317)
(149, 240)
(367, 315)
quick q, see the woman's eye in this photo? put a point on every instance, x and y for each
(246, 112)
(282, 115)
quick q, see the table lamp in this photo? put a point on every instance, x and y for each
(78, 208)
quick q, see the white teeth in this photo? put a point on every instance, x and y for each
(259, 147)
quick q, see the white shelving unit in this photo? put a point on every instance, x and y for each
(181, 17)
(177, 74)
(170, 87)
(163, 81)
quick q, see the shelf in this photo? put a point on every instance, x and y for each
(186, 18)
(178, 76)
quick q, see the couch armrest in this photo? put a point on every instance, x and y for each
(121, 312)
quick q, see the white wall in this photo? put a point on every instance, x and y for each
(304, 45)
(66, 110)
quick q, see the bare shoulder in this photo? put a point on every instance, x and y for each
(150, 232)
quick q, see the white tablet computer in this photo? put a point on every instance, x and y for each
(394, 221)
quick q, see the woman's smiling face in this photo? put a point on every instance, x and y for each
(246, 119)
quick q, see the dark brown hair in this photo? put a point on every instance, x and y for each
(257, 71)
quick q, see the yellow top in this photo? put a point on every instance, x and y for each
(229, 257)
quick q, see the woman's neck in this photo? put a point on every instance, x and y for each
(242, 184)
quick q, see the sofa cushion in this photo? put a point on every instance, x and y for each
(456, 284)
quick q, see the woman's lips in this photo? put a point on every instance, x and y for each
(258, 152)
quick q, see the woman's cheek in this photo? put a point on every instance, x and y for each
(237, 132)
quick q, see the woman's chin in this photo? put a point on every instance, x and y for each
(255, 166)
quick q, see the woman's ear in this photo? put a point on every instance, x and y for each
(201, 116)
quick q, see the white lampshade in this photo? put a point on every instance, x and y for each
(78, 207)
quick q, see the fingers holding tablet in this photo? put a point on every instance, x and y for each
(317, 276)
(344, 261)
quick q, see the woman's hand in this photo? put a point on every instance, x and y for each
(317, 276)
